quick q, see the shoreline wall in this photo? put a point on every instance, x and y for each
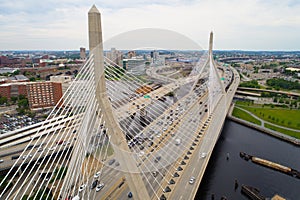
(276, 134)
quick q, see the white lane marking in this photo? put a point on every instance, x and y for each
(186, 185)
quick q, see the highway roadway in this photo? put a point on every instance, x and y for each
(197, 163)
(124, 111)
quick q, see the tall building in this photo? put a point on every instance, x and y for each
(43, 94)
(39, 94)
(82, 53)
(131, 54)
(115, 56)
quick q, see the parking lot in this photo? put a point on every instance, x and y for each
(10, 122)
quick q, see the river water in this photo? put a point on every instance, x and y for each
(220, 175)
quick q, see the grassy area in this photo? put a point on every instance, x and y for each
(283, 117)
(245, 116)
(287, 132)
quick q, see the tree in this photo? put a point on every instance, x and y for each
(3, 100)
(279, 83)
(23, 105)
(14, 99)
(281, 100)
(250, 84)
(21, 96)
(17, 72)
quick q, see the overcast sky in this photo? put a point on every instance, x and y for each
(237, 24)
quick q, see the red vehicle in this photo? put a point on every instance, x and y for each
(59, 142)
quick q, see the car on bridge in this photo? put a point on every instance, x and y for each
(94, 184)
(82, 187)
(177, 141)
(97, 174)
(192, 180)
(111, 161)
(99, 187)
(157, 159)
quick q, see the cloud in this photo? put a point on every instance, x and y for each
(62, 24)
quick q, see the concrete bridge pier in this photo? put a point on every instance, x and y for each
(127, 162)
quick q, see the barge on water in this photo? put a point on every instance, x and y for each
(270, 164)
(252, 192)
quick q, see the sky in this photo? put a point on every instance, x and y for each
(237, 24)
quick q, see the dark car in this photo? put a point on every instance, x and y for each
(111, 161)
(94, 184)
(129, 195)
(157, 159)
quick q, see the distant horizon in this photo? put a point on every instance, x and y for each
(53, 50)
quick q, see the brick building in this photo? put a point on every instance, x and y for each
(39, 94)
(13, 89)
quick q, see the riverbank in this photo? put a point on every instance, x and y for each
(273, 133)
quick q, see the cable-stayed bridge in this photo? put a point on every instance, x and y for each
(104, 140)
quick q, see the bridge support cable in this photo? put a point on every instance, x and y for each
(145, 176)
(149, 122)
(151, 119)
(108, 86)
(151, 110)
(83, 143)
(56, 138)
(58, 147)
(51, 115)
(83, 140)
(125, 126)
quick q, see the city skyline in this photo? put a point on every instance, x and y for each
(61, 25)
